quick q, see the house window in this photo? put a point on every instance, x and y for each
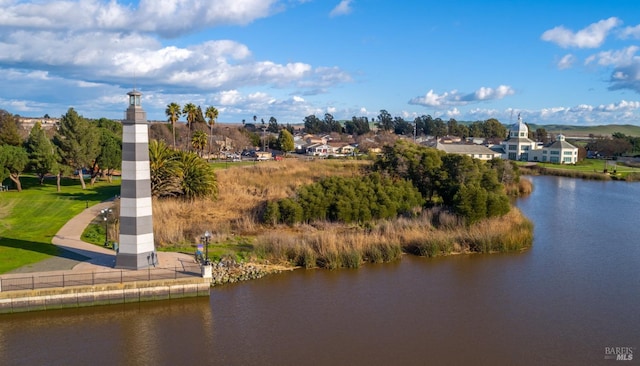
(512, 156)
(513, 147)
(555, 152)
(567, 153)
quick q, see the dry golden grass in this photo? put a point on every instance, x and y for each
(333, 245)
(524, 187)
(244, 190)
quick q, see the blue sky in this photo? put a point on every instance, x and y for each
(555, 62)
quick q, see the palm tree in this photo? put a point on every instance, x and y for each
(199, 141)
(190, 111)
(174, 112)
(165, 170)
(212, 114)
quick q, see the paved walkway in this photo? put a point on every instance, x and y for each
(79, 256)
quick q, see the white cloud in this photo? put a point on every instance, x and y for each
(343, 8)
(590, 37)
(453, 98)
(622, 57)
(566, 61)
(168, 17)
(623, 105)
(631, 32)
(228, 98)
(453, 113)
(121, 57)
(485, 93)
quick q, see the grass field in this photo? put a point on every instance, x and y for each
(595, 166)
(29, 219)
(585, 131)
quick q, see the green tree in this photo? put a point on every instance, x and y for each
(180, 173)
(402, 127)
(42, 153)
(330, 124)
(212, 114)
(470, 202)
(166, 175)
(271, 213)
(174, 112)
(273, 125)
(190, 111)
(312, 124)
(200, 117)
(9, 134)
(476, 129)
(418, 164)
(110, 155)
(357, 126)
(285, 141)
(78, 142)
(13, 161)
(385, 121)
(494, 129)
(290, 211)
(110, 125)
(198, 177)
(199, 142)
(438, 128)
(541, 135)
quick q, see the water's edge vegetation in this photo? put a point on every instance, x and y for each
(344, 213)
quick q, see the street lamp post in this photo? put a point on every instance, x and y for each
(105, 216)
(206, 238)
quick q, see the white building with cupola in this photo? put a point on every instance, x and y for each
(518, 146)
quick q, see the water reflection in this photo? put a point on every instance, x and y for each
(573, 293)
(131, 334)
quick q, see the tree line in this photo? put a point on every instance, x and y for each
(77, 146)
(422, 125)
(80, 146)
(405, 177)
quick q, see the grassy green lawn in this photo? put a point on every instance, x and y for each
(591, 167)
(594, 165)
(29, 219)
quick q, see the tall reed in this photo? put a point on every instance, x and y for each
(242, 190)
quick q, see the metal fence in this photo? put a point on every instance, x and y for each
(38, 281)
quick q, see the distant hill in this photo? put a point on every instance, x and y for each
(585, 131)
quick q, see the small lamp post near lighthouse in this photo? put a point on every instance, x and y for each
(207, 270)
(105, 216)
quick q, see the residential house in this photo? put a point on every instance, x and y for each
(475, 151)
(319, 150)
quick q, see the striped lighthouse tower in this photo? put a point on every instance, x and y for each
(136, 248)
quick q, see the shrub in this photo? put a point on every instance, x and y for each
(290, 211)
(271, 213)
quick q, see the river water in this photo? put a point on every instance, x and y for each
(566, 301)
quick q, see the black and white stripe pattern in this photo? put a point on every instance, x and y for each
(137, 249)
